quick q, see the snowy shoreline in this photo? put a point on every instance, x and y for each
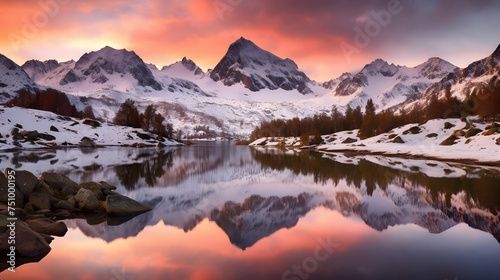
(470, 142)
(29, 129)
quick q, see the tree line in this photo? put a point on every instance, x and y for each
(149, 120)
(483, 101)
(50, 100)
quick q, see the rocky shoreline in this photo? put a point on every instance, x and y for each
(31, 210)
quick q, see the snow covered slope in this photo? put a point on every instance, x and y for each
(185, 69)
(441, 138)
(450, 139)
(390, 85)
(13, 78)
(258, 69)
(27, 128)
(249, 85)
(475, 76)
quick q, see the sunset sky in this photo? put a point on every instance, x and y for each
(321, 36)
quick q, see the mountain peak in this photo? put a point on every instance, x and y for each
(99, 66)
(380, 66)
(496, 53)
(243, 41)
(183, 69)
(435, 67)
(258, 69)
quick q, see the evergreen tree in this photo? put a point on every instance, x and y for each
(369, 124)
(158, 127)
(147, 117)
(127, 115)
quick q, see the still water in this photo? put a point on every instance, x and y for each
(232, 212)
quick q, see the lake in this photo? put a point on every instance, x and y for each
(222, 211)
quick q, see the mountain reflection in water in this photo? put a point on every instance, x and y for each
(253, 193)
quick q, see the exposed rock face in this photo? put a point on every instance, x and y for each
(86, 142)
(35, 68)
(26, 182)
(54, 196)
(41, 201)
(47, 226)
(258, 69)
(99, 66)
(33, 243)
(86, 200)
(119, 205)
(60, 184)
(92, 123)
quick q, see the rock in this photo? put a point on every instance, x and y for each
(72, 200)
(398, 140)
(498, 141)
(47, 237)
(14, 131)
(17, 136)
(20, 199)
(412, 130)
(18, 126)
(32, 135)
(143, 136)
(60, 184)
(53, 128)
(19, 213)
(41, 201)
(349, 140)
(86, 200)
(42, 187)
(449, 141)
(47, 226)
(64, 204)
(95, 188)
(3, 188)
(448, 125)
(161, 145)
(33, 244)
(431, 135)
(491, 131)
(119, 205)
(87, 142)
(107, 186)
(26, 182)
(92, 123)
(458, 133)
(472, 132)
(29, 208)
(47, 137)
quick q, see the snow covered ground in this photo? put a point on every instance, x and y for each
(472, 141)
(64, 131)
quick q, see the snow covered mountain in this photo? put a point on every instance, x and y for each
(475, 76)
(249, 85)
(12, 79)
(185, 69)
(108, 68)
(389, 85)
(258, 69)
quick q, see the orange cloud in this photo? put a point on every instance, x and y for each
(310, 33)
